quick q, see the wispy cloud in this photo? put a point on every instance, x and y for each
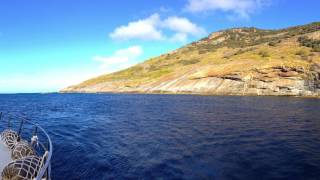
(183, 25)
(237, 8)
(155, 28)
(145, 29)
(120, 59)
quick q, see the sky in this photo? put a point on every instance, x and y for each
(46, 45)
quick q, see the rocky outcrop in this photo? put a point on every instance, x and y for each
(277, 81)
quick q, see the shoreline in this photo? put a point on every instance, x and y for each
(188, 93)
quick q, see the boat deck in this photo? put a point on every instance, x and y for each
(42, 147)
(5, 157)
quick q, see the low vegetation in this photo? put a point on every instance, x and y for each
(311, 43)
(224, 52)
(264, 53)
(274, 43)
(188, 62)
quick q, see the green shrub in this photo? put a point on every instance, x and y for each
(154, 67)
(264, 54)
(240, 51)
(316, 49)
(311, 43)
(188, 62)
(301, 52)
(203, 51)
(272, 43)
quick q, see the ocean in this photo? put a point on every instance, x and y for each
(134, 136)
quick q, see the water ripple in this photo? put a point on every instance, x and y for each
(109, 136)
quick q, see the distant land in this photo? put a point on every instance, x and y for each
(238, 61)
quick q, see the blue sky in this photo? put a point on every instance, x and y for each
(46, 45)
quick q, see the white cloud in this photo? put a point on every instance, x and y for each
(240, 8)
(142, 29)
(153, 28)
(183, 25)
(179, 37)
(120, 59)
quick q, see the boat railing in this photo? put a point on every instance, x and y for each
(27, 128)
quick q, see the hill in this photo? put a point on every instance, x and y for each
(239, 61)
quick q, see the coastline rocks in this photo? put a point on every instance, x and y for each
(278, 81)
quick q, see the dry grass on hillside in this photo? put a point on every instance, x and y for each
(237, 50)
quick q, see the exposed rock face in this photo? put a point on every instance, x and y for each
(270, 81)
(210, 66)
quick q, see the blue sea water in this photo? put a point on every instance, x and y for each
(118, 136)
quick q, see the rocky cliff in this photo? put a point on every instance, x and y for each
(241, 61)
